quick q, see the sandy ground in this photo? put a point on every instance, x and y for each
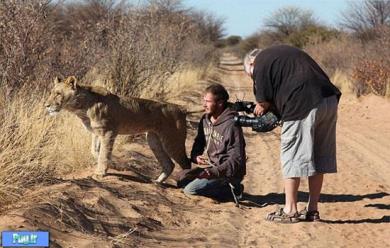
(127, 210)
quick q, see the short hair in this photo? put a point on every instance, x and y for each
(249, 58)
(218, 91)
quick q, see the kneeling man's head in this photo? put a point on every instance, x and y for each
(215, 99)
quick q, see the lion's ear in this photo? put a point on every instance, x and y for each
(72, 82)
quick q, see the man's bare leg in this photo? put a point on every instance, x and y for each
(315, 185)
(291, 186)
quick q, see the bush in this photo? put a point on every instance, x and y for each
(247, 45)
(311, 34)
(294, 26)
(367, 64)
(372, 72)
(366, 18)
(372, 76)
(26, 39)
(336, 54)
(152, 43)
(132, 46)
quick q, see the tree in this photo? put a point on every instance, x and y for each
(364, 18)
(294, 26)
(211, 27)
(233, 40)
(290, 19)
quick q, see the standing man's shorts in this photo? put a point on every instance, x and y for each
(308, 146)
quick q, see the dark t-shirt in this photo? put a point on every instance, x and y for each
(291, 80)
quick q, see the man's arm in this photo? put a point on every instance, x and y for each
(234, 156)
(263, 91)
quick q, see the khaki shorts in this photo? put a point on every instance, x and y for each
(308, 146)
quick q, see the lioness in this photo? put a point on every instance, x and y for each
(106, 115)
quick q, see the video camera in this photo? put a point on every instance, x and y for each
(264, 123)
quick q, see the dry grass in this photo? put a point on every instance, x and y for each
(342, 81)
(34, 148)
(73, 141)
(23, 161)
(336, 54)
(174, 86)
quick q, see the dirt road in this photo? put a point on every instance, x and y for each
(355, 202)
(127, 210)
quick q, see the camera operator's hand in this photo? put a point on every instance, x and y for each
(204, 174)
(261, 108)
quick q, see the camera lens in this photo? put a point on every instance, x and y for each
(245, 121)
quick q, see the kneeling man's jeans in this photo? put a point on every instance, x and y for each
(218, 187)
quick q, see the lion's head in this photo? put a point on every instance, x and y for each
(62, 95)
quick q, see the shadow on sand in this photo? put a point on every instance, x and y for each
(384, 219)
(278, 199)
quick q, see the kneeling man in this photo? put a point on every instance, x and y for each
(219, 147)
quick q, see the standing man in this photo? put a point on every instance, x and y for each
(302, 95)
(219, 146)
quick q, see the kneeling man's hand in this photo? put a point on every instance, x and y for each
(204, 174)
(201, 160)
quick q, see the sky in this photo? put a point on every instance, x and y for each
(245, 17)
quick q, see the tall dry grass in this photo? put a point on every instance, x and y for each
(173, 87)
(336, 55)
(35, 148)
(342, 81)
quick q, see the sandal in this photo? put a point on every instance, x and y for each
(306, 215)
(281, 217)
